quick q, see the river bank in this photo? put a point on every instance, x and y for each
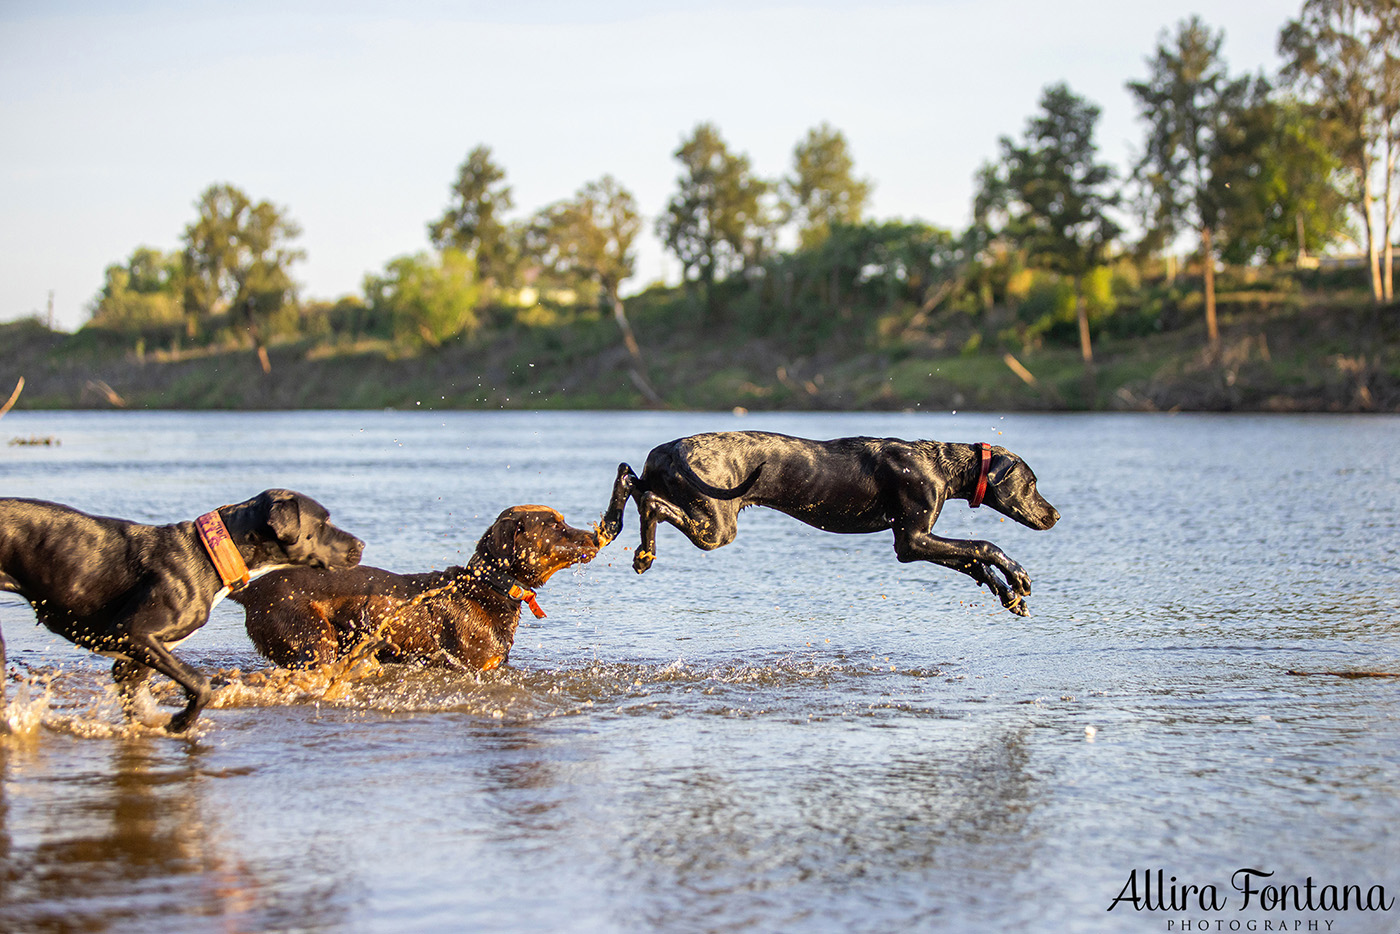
(1316, 358)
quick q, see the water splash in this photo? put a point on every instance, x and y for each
(74, 703)
(82, 702)
(278, 686)
(23, 715)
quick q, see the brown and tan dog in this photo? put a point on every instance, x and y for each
(461, 615)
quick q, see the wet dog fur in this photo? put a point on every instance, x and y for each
(850, 485)
(134, 591)
(461, 616)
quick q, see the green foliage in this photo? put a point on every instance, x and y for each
(348, 318)
(474, 221)
(860, 270)
(237, 260)
(1283, 196)
(1047, 309)
(1052, 192)
(1052, 199)
(1200, 145)
(584, 245)
(1042, 238)
(430, 299)
(1098, 291)
(142, 294)
(822, 191)
(1343, 57)
(1190, 103)
(1050, 303)
(715, 224)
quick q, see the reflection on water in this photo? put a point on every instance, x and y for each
(862, 838)
(125, 843)
(792, 732)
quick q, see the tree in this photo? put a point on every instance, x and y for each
(585, 244)
(822, 191)
(586, 241)
(1344, 55)
(429, 298)
(1282, 199)
(263, 278)
(143, 292)
(1387, 48)
(474, 221)
(1054, 197)
(237, 260)
(211, 248)
(1188, 101)
(715, 223)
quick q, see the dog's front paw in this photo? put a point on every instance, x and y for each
(642, 560)
(1019, 580)
(1016, 605)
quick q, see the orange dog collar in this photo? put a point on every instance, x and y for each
(982, 476)
(528, 596)
(233, 571)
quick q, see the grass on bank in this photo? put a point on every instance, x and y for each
(1284, 347)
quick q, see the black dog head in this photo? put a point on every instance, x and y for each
(300, 527)
(1011, 491)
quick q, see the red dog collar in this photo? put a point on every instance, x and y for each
(233, 571)
(520, 593)
(982, 476)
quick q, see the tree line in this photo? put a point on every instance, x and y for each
(1251, 169)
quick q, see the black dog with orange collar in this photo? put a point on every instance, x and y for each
(134, 591)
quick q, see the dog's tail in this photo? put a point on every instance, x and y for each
(713, 491)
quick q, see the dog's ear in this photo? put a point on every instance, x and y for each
(1003, 462)
(284, 514)
(498, 543)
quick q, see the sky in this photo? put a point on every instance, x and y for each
(353, 117)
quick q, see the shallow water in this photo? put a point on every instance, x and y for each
(794, 732)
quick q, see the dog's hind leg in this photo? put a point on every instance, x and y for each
(623, 489)
(651, 509)
(713, 529)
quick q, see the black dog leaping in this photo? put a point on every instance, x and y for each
(849, 485)
(133, 591)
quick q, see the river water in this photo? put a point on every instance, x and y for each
(794, 732)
